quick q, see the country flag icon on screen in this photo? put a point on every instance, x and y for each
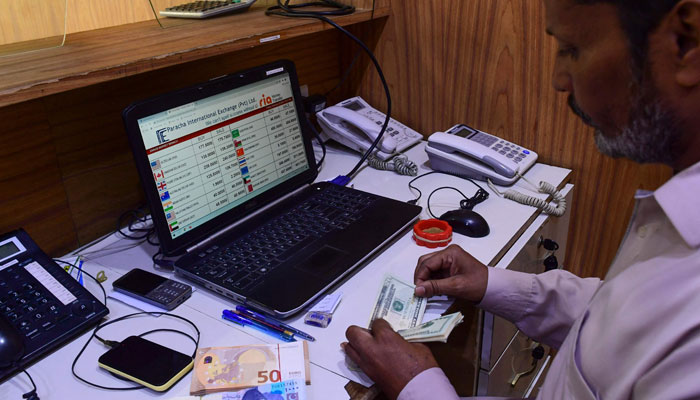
(239, 152)
(173, 226)
(165, 196)
(237, 143)
(170, 216)
(155, 164)
(246, 179)
(158, 175)
(250, 188)
(161, 186)
(244, 170)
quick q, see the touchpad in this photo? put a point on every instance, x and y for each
(325, 262)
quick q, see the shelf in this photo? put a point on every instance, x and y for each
(102, 55)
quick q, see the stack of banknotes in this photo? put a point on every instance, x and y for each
(437, 330)
(397, 304)
(293, 389)
(219, 369)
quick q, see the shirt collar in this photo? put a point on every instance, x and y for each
(679, 199)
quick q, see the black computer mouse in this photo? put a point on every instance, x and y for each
(11, 343)
(466, 222)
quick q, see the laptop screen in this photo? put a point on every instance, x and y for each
(213, 154)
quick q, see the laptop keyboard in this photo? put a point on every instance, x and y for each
(244, 262)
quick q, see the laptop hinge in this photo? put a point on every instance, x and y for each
(207, 241)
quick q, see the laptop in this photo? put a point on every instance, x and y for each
(228, 170)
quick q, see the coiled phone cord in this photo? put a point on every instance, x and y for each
(557, 209)
(401, 164)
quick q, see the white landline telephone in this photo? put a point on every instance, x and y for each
(471, 153)
(355, 124)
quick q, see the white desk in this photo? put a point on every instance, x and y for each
(329, 373)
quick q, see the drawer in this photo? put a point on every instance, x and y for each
(516, 370)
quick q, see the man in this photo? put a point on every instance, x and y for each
(632, 71)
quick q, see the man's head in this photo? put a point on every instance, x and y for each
(632, 70)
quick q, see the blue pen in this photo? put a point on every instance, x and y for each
(276, 323)
(80, 273)
(241, 320)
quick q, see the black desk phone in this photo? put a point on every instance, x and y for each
(42, 307)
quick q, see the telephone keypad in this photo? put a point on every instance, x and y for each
(510, 150)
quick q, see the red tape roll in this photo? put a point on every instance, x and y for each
(432, 233)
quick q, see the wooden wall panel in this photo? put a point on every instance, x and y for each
(32, 195)
(488, 64)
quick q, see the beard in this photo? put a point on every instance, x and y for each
(650, 136)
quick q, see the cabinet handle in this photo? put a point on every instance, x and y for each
(551, 263)
(550, 245)
(537, 354)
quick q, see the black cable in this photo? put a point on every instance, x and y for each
(30, 395)
(94, 333)
(420, 194)
(467, 203)
(478, 198)
(104, 292)
(111, 343)
(287, 10)
(151, 241)
(323, 146)
(346, 74)
(128, 218)
(336, 8)
(168, 265)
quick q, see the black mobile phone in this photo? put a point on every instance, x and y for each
(152, 288)
(150, 364)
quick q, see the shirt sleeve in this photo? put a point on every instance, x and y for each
(433, 384)
(429, 384)
(543, 306)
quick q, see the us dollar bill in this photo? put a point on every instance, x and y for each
(437, 330)
(397, 304)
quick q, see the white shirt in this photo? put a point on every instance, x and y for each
(636, 335)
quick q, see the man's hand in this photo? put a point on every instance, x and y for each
(452, 272)
(389, 360)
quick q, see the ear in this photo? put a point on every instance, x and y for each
(684, 24)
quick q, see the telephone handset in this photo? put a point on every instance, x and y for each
(471, 153)
(355, 124)
(360, 129)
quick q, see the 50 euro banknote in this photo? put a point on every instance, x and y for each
(294, 389)
(218, 369)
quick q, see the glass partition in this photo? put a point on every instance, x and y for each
(28, 25)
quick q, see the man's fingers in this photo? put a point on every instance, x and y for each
(437, 287)
(352, 353)
(380, 325)
(357, 335)
(426, 269)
